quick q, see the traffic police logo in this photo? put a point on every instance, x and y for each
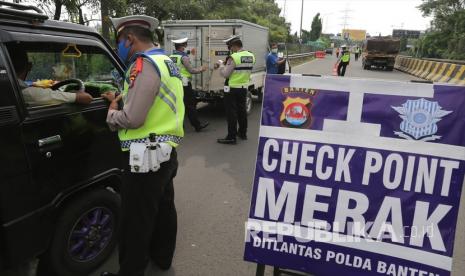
(419, 119)
(296, 113)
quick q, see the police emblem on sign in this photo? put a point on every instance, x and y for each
(296, 113)
(419, 119)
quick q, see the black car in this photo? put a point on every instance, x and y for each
(60, 163)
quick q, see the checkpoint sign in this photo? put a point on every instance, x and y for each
(357, 177)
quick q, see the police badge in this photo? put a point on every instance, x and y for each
(296, 113)
(419, 119)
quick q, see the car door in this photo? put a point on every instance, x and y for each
(67, 147)
(16, 191)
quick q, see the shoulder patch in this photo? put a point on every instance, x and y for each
(172, 68)
(247, 59)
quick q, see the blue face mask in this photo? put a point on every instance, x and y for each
(123, 51)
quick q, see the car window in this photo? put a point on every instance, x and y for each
(40, 67)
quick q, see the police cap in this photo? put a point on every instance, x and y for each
(232, 39)
(143, 21)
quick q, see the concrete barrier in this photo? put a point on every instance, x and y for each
(433, 70)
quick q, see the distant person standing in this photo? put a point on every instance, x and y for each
(273, 62)
(343, 61)
(356, 53)
(337, 52)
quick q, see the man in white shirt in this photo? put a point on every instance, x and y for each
(36, 96)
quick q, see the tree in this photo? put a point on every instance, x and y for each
(403, 44)
(446, 38)
(317, 27)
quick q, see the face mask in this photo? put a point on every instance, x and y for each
(274, 51)
(123, 51)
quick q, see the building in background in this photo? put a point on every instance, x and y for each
(354, 35)
(399, 33)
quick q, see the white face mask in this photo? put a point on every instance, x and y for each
(274, 51)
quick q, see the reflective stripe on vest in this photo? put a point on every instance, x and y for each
(244, 61)
(345, 57)
(176, 57)
(165, 117)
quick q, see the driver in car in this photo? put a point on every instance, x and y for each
(35, 96)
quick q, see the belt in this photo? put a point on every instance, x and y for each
(159, 138)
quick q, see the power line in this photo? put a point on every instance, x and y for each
(345, 17)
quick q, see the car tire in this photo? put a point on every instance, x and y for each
(87, 224)
(249, 103)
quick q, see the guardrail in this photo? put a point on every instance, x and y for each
(435, 70)
(303, 55)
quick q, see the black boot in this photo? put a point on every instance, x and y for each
(227, 140)
(201, 126)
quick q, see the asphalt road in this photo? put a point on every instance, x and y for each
(213, 186)
(354, 70)
(212, 199)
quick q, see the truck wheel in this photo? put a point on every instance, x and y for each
(260, 94)
(85, 235)
(249, 103)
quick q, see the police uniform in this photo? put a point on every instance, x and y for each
(152, 98)
(237, 73)
(343, 62)
(181, 59)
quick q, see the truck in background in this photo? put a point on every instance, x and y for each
(207, 47)
(380, 52)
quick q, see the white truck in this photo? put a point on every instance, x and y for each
(207, 47)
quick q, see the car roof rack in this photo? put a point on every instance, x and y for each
(21, 12)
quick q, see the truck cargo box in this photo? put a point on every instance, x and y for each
(206, 37)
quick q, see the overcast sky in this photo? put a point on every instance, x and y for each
(375, 16)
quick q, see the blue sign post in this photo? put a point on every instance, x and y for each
(357, 177)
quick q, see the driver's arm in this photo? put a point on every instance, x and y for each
(45, 96)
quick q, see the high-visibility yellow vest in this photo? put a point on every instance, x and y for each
(176, 57)
(244, 61)
(345, 57)
(165, 117)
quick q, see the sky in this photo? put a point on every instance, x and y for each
(375, 16)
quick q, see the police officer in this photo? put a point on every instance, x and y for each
(152, 99)
(343, 61)
(181, 58)
(237, 73)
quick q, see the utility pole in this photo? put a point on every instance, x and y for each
(284, 10)
(301, 18)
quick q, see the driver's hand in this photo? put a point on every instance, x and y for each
(109, 96)
(83, 98)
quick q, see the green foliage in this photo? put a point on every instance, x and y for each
(446, 39)
(403, 44)
(262, 12)
(317, 27)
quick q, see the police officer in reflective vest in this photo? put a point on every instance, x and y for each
(343, 61)
(237, 73)
(150, 127)
(181, 58)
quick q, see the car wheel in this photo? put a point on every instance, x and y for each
(249, 103)
(85, 235)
